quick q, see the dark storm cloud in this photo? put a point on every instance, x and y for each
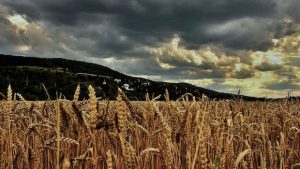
(10, 35)
(287, 72)
(149, 22)
(244, 74)
(294, 61)
(265, 66)
(119, 28)
(283, 85)
(171, 11)
(291, 8)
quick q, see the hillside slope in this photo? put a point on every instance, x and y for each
(27, 75)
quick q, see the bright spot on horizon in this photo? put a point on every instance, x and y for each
(24, 48)
(19, 21)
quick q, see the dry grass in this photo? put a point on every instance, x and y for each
(127, 135)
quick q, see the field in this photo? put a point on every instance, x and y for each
(150, 134)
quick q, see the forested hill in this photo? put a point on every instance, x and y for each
(28, 75)
(72, 65)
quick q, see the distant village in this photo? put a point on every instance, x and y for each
(137, 85)
(126, 85)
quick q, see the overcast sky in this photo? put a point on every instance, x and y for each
(224, 45)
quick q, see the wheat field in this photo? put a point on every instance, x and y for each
(182, 134)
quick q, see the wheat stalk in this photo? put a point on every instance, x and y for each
(76, 94)
(109, 160)
(240, 157)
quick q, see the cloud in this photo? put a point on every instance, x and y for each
(117, 27)
(265, 66)
(243, 74)
(197, 22)
(290, 9)
(293, 61)
(282, 85)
